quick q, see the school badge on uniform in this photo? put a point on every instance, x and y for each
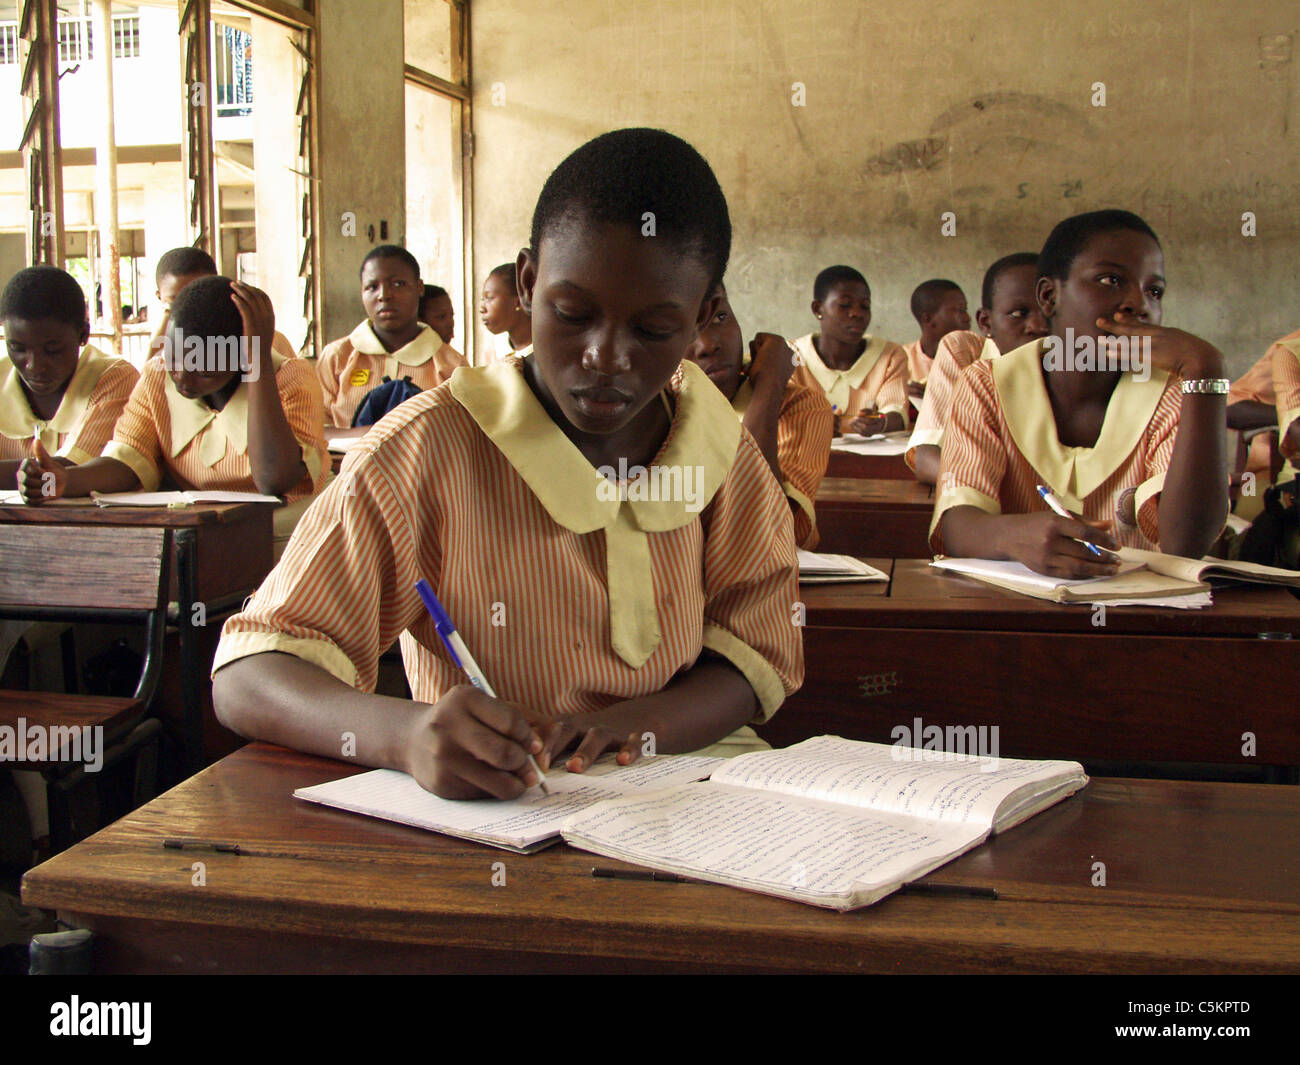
(359, 378)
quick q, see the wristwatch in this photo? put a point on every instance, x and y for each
(1212, 386)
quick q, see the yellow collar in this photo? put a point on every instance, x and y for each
(190, 417)
(415, 353)
(837, 383)
(17, 419)
(690, 468)
(1073, 473)
(989, 350)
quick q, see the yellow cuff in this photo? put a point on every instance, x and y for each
(756, 669)
(959, 496)
(933, 437)
(321, 653)
(1284, 423)
(149, 475)
(311, 459)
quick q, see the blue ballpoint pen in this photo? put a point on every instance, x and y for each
(461, 656)
(1058, 507)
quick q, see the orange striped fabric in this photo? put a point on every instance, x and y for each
(1257, 382)
(955, 352)
(83, 424)
(1286, 381)
(429, 494)
(884, 386)
(919, 364)
(983, 466)
(351, 367)
(148, 439)
(803, 449)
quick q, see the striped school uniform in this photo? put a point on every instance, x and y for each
(803, 448)
(162, 433)
(357, 364)
(1286, 382)
(919, 364)
(1001, 443)
(83, 424)
(956, 351)
(570, 598)
(1257, 384)
(878, 378)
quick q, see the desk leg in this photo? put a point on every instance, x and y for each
(191, 699)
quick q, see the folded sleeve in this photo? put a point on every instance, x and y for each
(327, 374)
(974, 456)
(803, 449)
(751, 581)
(304, 409)
(1286, 383)
(136, 441)
(345, 588)
(103, 409)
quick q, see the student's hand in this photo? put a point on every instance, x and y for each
(471, 746)
(1173, 350)
(39, 476)
(259, 327)
(1048, 543)
(592, 738)
(868, 422)
(771, 361)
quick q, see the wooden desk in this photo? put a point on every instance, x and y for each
(1148, 685)
(222, 553)
(858, 516)
(319, 890)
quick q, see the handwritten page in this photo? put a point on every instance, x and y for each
(812, 564)
(515, 824)
(935, 785)
(808, 851)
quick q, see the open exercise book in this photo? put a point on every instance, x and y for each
(146, 499)
(523, 825)
(1147, 577)
(830, 822)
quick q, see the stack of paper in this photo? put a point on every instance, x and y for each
(835, 569)
(177, 499)
(880, 444)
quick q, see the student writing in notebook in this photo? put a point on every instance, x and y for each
(194, 419)
(1136, 446)
(864, 377)
(1009, 317)
(392, 342)
(54, 387)
(939, 307)
(502, 313)
(611, 610)
(790, 423)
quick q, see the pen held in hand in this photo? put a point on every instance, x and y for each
(461, 656)
(1049, 497)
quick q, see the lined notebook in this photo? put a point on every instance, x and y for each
(829, 822)
(177, 499)
(522, 825)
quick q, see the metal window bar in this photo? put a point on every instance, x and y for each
(232, 69)
(8, 44)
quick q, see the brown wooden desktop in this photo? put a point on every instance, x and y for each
(879, 467)
(1150, 684)
(1187, 888)
(872, 516)
(222, 553)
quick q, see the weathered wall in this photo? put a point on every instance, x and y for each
(978, 107)
(362, 151)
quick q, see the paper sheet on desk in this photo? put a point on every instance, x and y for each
(880, 444)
